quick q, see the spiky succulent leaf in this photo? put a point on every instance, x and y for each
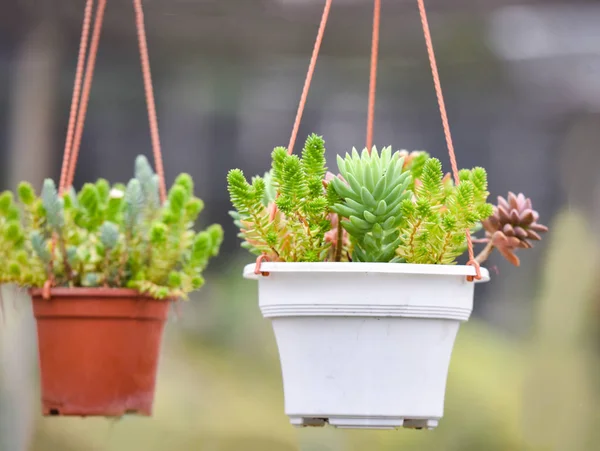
(53, 205)
(134, 203)
(40, 246)
(148, 181)
(6, 201)
(109, 234)
(313, 158)
(26, 193)
(372, 199)
(284, 214)
(436, 223)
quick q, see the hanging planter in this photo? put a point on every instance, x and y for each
(103, 265)
(365, 345)
(365, 315)
(98, 350)
(357, 271)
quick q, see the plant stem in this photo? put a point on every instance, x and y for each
(340, 237)
(106, 262)
(485, 253)
(412, 237)
(304, 222)
(63, 250)
(444, 247)
(256, 222)
(123, 260)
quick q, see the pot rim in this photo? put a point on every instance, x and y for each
(365, 268)
(104, 292)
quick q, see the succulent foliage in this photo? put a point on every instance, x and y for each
(285, 214)
(436, 219)
(372, 202)
(513, 225)
(382, 207)
(107, 236)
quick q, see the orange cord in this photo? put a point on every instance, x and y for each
(152, 117)
(65, 171)
(303, 97)
(373, 73)
(85, 95)
(73, 144)
(309, 75)
(371, 104)
(444, 116)
(259, 260)
(87, 17)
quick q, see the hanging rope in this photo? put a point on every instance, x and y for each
(371, 104)
(80, 100)
(152, 117)
(301, 105)
(304, 96)
(309, 75)
(373, 73)
(85, 94)
(65, 171)
(444, 116)
(87, 17)
(79, 106)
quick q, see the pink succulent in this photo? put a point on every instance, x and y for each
(513, 225)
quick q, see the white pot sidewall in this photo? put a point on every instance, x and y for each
(366, 348)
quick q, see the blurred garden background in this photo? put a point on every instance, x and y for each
(522, 86)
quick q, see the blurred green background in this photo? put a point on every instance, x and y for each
(522, 86)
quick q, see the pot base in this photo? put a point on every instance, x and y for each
(343, 422)
(139, 408)
(100, 413)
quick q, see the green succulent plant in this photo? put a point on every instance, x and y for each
(284, 214)
(383, 207)
(372, 202)
(107, 236)
(436, 219)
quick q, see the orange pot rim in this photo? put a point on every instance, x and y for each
(105, 292)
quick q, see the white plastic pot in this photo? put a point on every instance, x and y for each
(365, 345)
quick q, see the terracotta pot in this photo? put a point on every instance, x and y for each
(98, 350)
